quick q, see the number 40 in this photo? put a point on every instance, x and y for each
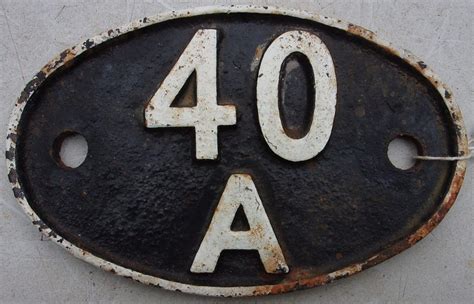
(200, 56)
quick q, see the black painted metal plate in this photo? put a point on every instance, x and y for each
(141, 203)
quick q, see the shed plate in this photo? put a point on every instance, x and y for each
(144, 199)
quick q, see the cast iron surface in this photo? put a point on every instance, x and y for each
(142, 201)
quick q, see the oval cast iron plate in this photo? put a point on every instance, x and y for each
(29, 162)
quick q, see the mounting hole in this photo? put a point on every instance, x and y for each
(70, 149)
(401, 152)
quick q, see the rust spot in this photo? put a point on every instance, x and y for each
(65, 57)
(301, 284)
(423, 230)
(360, 31)
(259, 52)
(440, 214)
(382, 256)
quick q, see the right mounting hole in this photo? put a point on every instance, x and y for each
(402, 151)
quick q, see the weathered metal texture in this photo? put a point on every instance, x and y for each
(139, 206)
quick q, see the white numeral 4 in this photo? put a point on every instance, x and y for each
(201, 56)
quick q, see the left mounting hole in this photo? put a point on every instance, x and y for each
(70, 149)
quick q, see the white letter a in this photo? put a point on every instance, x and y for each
(240, 190)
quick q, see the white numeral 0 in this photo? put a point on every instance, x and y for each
(325, 90)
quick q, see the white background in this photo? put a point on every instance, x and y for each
(439, 269)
